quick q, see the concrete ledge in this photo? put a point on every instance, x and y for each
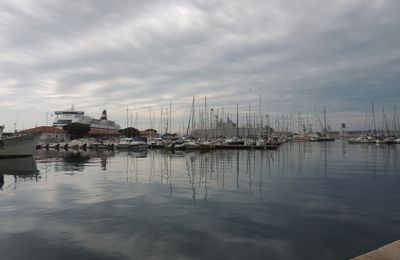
(388, 252)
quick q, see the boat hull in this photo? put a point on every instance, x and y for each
(18, 146)
(322, 139)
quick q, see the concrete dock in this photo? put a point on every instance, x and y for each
(388, 252)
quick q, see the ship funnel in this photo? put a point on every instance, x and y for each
(104, 115)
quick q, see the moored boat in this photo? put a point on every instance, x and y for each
(137, 144)
(124, 143)
(300, 138)
(17, 146)
(98, 127)
(361, 140)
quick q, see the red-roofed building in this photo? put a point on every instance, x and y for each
(149, 133)
(48, 133)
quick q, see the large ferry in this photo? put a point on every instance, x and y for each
(66, 117)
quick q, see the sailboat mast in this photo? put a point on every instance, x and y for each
(190, 118)
(385, 121)
(167, 121)
(170, 118)
(261, 121)
(193, 122)
(205, 117)
(373, 117)
(249, 122)
(237, 120)
(161, 119)
(324, 121)
(150, 124)
(395, 119)
(366, 122)
(127, 117)
(137, 121)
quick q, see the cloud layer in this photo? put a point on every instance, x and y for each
(298, 55)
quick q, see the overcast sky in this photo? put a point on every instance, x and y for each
(298, 55)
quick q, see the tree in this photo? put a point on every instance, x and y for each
(130, 132)
(77, 130)
(151, 130)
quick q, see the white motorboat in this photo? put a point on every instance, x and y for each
(192, 145)
(124, 143)
(361, 140)
(130, 143)
(138, 144)
(234, 141)
(301, 138)
(17, 146)
(180, 145)
(261, 142)
(385, 140)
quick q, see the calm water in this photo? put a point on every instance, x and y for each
(304, 201)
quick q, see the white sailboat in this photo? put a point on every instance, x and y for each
(324, 136)
(17, 146)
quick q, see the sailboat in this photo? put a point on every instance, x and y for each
(322, 137)
(363, 138)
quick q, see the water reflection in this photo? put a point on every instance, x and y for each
(71, 161)
(239, 170)
(20, 169)
(303, 201)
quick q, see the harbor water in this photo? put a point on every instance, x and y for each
(329, 200)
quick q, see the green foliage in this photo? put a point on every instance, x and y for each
(77, 130)
(130, 132)
(151, 130)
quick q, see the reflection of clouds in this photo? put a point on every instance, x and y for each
(34, 246)
(144, 207)
(141, 227)
(241, 170)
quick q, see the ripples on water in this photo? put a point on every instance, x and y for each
(304, 201)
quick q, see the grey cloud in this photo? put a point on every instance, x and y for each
(297, 55)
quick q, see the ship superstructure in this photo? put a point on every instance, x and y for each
(66, 117)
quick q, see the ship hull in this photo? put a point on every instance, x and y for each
(18, 146)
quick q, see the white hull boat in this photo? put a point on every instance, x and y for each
(192, 145)
(124, 143)
(18, 146)
(137, 144)
(361, 140)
